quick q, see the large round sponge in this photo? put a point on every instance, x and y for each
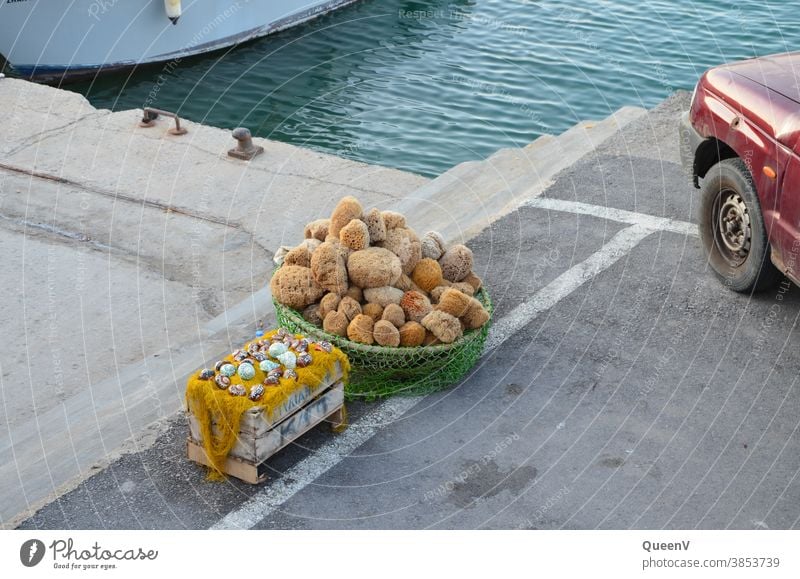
(433, 245)
(335, 323)
(404, 243)
(328, 303)
(383, 295)
(394, 314)
(393, 219)
(454, 302)
(317, 229)
(415, 306)
(349, 307)
(428, 274)
(476, 316)
(355, 235)
(386, 334)
(374, 311)
(294, 286)
(329, 267)
(360, 329)
(456, 263)
(346, 210)
(445, 327)
(412, 334)
(373, 267)
(375, 225)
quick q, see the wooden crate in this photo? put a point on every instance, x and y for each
(261, 436)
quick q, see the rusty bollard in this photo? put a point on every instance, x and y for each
(151, 114)
(245, 149)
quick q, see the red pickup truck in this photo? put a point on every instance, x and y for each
(740, 141)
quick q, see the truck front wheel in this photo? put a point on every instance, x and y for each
(732, 229)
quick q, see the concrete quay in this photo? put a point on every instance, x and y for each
(622, 387)
(137, 256)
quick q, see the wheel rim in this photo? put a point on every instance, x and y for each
(732, 230)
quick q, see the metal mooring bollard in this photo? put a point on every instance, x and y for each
(151, 114)
(245, 149)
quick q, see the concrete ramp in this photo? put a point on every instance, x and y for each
(471, 196)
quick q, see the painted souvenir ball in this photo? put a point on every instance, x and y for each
(246, 371)
(227, 370)
(277, 349)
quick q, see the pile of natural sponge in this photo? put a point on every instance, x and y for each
(367, 276)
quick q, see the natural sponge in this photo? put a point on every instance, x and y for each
(394, 314)
(329, 267)
(336, 323)
(311, 315)
(428, 274)
(415, 305)
(328, 303)
(454, 302)
(464, 287)
(374, 311)
(345, 211)
(294, 286)
(386, 334)
(373, 267)
(349, 307)
(412, 334)
(445, 327)
(383, 295)
(355, 292)
(375, 225)
(456, 263)
(436, 293)
(360, 329)
(404, 243)
(355, 235)
(473, 280)
(476, 316)
(317, 229)
(301, 255)
(393, 219)
(433, 245)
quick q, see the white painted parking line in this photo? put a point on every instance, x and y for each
(621, 215)
(260, 505)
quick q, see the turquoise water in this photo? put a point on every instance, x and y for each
(422, 86)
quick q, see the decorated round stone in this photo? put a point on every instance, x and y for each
(237, 390)
(268, 365)
(206, 374)
(222, 381)
(288, 359)
(278, 348)
(227, 370)
(246, 371)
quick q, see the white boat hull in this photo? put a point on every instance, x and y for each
(47, 40)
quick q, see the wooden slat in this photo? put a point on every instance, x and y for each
(251, 451)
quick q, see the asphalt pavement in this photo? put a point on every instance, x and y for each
(626, 388)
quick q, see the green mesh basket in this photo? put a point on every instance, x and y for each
(378, 371)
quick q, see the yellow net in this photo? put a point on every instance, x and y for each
(211, 405)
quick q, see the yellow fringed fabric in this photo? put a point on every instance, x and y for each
(211, 405)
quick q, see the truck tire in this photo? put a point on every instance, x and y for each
(732, 229)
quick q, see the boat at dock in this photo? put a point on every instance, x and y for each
(52, 42)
